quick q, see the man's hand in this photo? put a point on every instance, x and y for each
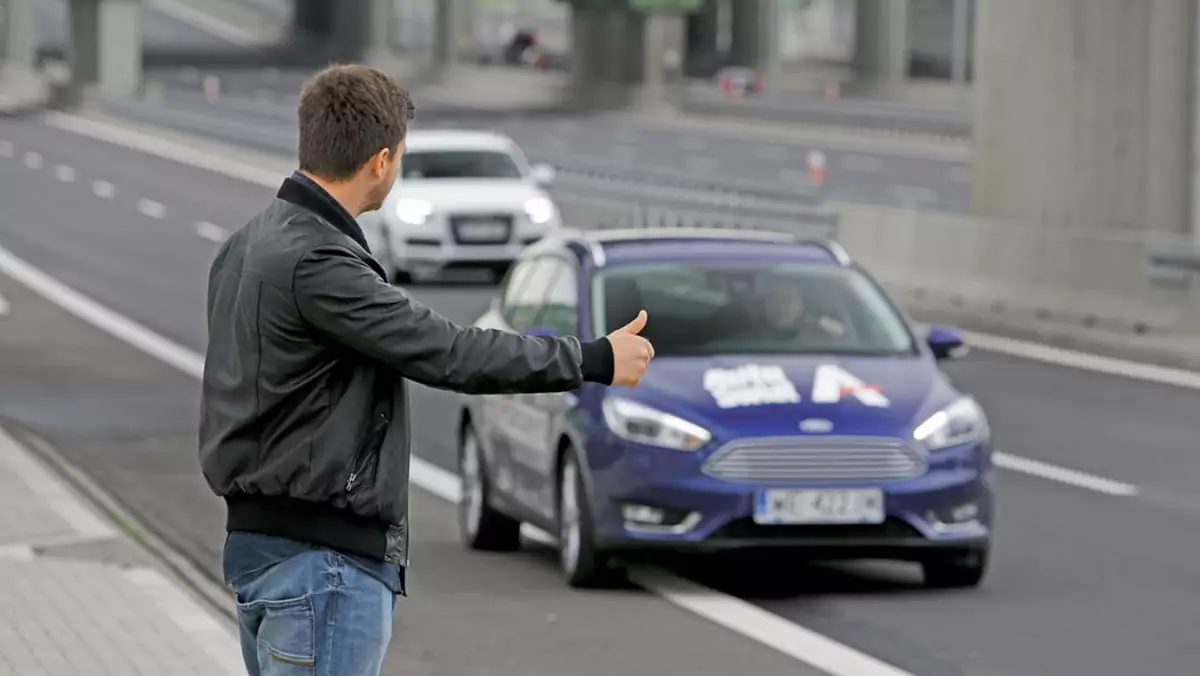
(631, 352)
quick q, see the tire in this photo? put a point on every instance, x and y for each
(964, 570)
(481, 526)
(401, 276)
(582, 564)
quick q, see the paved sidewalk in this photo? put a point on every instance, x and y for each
(77, 597)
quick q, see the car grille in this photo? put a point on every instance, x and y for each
(464, 227)
(805, 459)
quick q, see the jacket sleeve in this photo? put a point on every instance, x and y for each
(345, 300)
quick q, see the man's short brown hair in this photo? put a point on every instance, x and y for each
(347, 113)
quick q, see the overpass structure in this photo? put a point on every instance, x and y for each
(1084, 111)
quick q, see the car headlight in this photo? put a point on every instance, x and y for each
(959, 423)
(540, 210)
(413, 212)
(636, 422)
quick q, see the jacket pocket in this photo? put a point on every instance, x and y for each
(367, 452)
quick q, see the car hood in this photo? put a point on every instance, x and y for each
(465, 194)
(737, 397)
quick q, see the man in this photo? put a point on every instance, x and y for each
(304, 424)
(785, 314)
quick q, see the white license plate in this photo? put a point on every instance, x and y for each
(482, 230)
(819, 506)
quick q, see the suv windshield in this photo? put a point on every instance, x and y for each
(455, 164)
(700, 308)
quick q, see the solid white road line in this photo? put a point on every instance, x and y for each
(1063, 475)
(1084, 361)
(5, 306)
(725, 610)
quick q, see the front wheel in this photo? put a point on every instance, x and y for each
(482, 526)
(581, 563)
(964, 570)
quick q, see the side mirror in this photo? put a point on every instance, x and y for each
(542, 331)
(543, 173)
(946, 343)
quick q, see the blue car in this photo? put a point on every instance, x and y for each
(791, 404)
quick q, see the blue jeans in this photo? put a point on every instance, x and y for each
(315, 614)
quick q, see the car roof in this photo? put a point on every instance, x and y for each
(457, 139)
(616, 246)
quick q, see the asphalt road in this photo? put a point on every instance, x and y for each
(1083, 582)
(855, 172)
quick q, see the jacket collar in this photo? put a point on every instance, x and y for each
(303, 192)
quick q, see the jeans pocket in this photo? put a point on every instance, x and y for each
(285, 636)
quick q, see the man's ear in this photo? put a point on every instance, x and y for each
(379, 162)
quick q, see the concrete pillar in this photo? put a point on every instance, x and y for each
(661, 42)
(84, 41)
(120, 39)
(881, 42)
(446, 32)
(380, 17)
(1084, 112)
(20, 33)
(702, 29)
(755, 36)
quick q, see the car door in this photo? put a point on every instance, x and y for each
(514, 421)
(491, 412)
(546, 412)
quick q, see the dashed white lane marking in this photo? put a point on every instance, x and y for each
(6, 148)
(867, 164)
(33, 160)
(211, 232)
(150, 208)
(1063, 475)
(104, 189)
(64, 173)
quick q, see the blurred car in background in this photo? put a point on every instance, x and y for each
(462, 199)
(790, 404)
(738, 81)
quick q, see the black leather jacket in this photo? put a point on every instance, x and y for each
(304, 413)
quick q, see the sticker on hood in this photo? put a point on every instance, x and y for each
(750, 385)
(832, 383)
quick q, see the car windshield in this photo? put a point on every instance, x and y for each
(457, 164)
(700, 308)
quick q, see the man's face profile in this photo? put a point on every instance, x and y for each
(383, 169)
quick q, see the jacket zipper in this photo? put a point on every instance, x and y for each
(365, 454)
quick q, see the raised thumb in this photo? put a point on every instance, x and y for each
(635, 327)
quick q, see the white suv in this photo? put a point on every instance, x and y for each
(461, 199)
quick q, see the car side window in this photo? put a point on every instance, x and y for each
(522, 306)
(560, 308)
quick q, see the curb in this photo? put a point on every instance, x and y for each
(178, 566)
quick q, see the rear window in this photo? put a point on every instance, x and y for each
(699, 308)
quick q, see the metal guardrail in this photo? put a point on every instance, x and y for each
(1126, 280)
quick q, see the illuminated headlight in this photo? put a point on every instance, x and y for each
(413, 212)
(540, 210)
(959, 423)
(636, 422)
